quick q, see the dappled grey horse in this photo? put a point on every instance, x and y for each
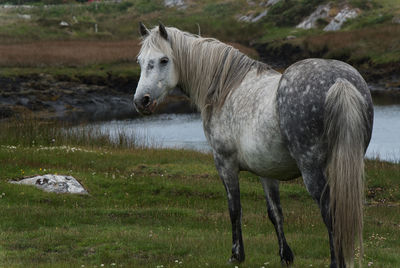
(314, 120)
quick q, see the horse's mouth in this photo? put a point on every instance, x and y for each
(150, 108)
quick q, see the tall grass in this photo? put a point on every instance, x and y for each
(27, 131)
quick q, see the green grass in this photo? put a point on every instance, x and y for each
(100, 72)
(150, 207)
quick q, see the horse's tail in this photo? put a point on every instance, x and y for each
(345, 122)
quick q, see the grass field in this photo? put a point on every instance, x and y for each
(151, 207)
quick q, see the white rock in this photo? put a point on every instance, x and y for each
(245, 18)
(290, 37)
(269, 3)
(64, 24)
(24, 16)
(54, 183)
(174, 3)
(260, 16)
(396, 20)
(341, 18)
(321, 12)
(16, 6)
(253, 17)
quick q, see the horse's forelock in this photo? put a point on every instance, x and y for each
(154, 41)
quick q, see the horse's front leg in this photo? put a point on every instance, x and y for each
(228, 171)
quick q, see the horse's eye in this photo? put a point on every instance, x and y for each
(164, 60)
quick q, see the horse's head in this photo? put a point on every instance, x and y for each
(158, 74)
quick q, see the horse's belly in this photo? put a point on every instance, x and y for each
(267, 157)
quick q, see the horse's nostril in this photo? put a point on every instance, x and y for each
(146, 100)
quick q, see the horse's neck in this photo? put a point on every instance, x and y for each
(208, 74)
(256, 90)
(197, 74)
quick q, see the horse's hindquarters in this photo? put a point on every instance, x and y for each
(326, 117)
(300, 103)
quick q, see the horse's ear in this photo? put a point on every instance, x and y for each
(143, 30)
(163, 31)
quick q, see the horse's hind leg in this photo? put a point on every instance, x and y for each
(228, 171)
(271, 190)
(315, 182)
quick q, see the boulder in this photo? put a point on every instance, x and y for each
(253, 17)
(343, 15)
(64, 24)
(310, 22)
(59, 184)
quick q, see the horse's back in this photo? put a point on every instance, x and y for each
(301, 99)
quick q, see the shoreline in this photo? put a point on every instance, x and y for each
(91, 97)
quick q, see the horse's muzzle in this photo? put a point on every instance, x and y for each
(145, 105)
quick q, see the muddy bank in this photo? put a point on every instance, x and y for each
(88, 98)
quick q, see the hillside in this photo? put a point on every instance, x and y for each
(371, 36)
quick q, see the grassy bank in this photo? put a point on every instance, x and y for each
(150, 207)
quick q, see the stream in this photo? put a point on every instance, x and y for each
(185, 131)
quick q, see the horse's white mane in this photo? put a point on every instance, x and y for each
(208, 69)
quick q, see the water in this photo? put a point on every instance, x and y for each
(185, 131)
(385, 141)
(161, 131)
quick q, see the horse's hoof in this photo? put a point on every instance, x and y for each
(235, 259)
(285, 263)
(287, 256)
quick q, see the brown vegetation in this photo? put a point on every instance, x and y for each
(67, 53)
(76, 53)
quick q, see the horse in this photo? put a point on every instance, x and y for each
(314, 120)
